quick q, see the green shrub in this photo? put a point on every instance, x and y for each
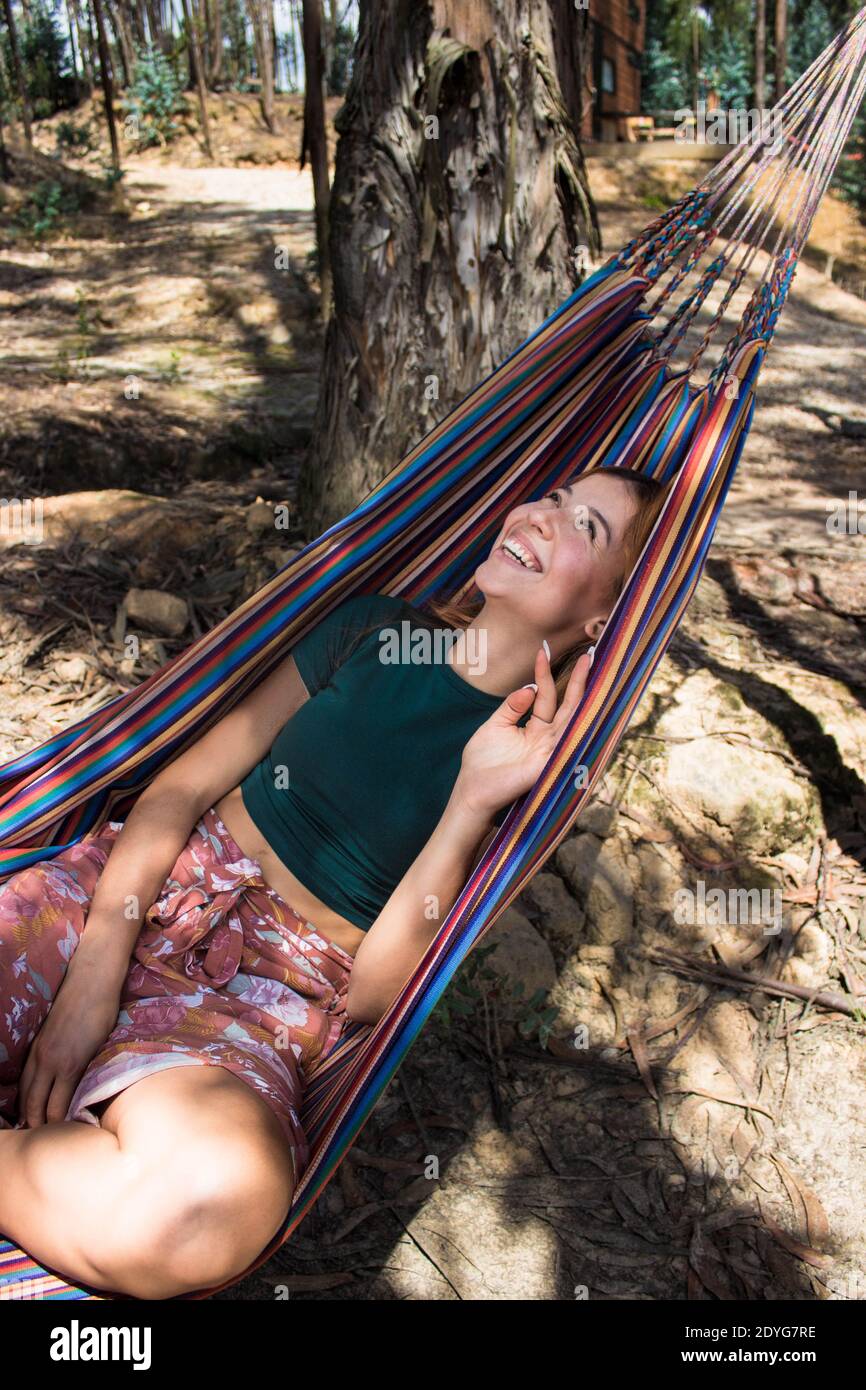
(154, 98)
(46, 206)
(74, 138)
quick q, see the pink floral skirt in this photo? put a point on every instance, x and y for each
(223, 973)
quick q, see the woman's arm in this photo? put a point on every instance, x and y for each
(85, 1008)
(500, 762)
(416, 909)
(160, 822)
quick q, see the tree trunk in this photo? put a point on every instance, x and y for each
(72, 47)
(292, 60)
(460, 218)
(314, 141)
(18, 74)
(107, 84)
(259, 19)
(136, 22)
(329, 40)
(275, 57)
(83, 45)
(154, 22)
(781, 48)
(191, 20)
(760, 53)
(119, 22)
(696, 57)
(215, 55)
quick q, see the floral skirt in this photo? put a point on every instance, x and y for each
(223, 973)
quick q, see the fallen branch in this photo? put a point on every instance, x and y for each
(695, 968)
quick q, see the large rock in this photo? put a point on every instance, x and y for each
(733, 795)
(555, 913)
(124, 521)
(163, 613)
(598, 875)
(522, 956)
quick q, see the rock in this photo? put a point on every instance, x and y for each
(499, 1254)
(797, 971)
(163, 613)
(148, 571)
(73, 668)
(752, 795)
(603, 955)
(656, 882)
(581, 1005)
(555, 913)
(812, 962)
(521, 956)
(130, 522)
(599, 818)
(598, 876)
(730, 795)
(813, 945)
(259, 518)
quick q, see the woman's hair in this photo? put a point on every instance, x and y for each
(650, 495)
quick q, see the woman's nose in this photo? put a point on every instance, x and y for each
(542, 517)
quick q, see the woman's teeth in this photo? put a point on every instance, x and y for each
(519, 553)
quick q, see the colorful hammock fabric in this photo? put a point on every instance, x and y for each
(595, 384)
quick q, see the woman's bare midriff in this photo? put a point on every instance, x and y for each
(243, 829)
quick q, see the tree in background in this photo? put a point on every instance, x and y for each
(191, 25)
(780, 57)
(260, 15)
(760, 54)
(49, 78)
(730, 67)
(153, 100)
(811, 30)
(677, 32)
(460, 218)
(314, 141)
(662, 87)
(105, 77)
(14, 66)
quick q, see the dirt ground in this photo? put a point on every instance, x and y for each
(683, 1134)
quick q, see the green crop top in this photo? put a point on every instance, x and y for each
(356, 781)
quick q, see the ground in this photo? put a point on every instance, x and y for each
(682, 1134)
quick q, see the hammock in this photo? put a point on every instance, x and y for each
(596, 383)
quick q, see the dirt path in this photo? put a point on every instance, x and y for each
(180, 339)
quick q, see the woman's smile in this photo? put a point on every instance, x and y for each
(517, 551)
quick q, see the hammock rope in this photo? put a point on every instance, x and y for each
(594, 384)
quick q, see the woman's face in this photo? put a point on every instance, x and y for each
(555, 560)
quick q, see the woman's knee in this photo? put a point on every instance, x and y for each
(212, 1208)
(204, 1196)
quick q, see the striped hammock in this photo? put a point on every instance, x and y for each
(599, 383)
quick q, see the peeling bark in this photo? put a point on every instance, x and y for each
(460, 199)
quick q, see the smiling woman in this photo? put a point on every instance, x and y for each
(359, 794)
(582, 541)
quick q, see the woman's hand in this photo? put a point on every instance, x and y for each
(502, 761)
(81, 1017)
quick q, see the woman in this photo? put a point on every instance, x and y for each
(296, 860)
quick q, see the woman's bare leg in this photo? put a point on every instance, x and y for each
(185, 1182)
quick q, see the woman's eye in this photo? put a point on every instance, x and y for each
(557, 497)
